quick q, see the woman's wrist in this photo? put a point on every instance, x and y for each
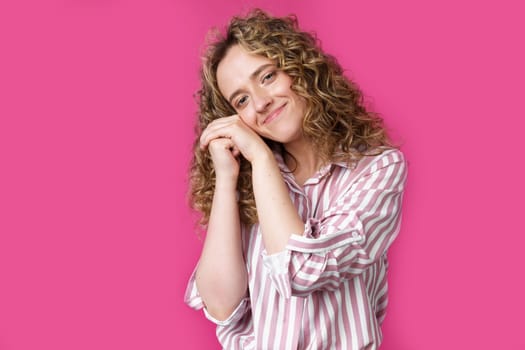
(226, 182)
(263, 159)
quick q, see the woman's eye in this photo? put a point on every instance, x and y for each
(241, 101)
(268, 76)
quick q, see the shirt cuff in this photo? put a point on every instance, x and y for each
(191, 296)
(277, 266)
(299, 248)
(236, 315)
(312, 242)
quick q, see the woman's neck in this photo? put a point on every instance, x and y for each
(302, 159)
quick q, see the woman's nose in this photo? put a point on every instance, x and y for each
(262, 100)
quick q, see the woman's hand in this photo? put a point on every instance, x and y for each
(224, 156)
(242, 139)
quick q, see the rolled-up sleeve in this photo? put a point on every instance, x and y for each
(352, 234)
(194, 300)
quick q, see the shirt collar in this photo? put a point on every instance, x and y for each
(316, 178)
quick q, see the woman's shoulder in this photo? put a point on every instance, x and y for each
(379, 158)
(390, 154)
(378, 155)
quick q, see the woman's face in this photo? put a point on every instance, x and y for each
(261, 95)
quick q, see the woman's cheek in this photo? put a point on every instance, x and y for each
(248, 118)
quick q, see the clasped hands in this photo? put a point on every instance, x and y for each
(227, 138)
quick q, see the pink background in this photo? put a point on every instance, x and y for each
(96, 107)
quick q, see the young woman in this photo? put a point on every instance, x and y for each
(300, 191)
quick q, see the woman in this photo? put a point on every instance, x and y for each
(300, 191)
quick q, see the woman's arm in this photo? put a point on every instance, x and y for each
(353, 233)
(221, 275)
(278, 216)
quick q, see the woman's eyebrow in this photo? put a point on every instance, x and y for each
(252, 77)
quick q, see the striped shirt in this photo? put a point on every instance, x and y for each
(328, 289)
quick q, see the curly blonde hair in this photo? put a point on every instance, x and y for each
(336, 121)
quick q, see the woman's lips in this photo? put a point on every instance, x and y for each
(273, 115)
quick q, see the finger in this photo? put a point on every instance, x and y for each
(228, 119)
(221, 148)
(235, 151)
(212, 130)
(209, 133)
(220, 144)
(216, 131)
(209, 136)
(222, 122)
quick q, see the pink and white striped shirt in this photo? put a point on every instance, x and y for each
(328, 289)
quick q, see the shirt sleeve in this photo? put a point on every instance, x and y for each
(194, 300)
(353, 234)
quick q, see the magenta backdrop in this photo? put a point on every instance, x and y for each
(96, 108)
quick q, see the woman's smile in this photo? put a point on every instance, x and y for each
(273, 115)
